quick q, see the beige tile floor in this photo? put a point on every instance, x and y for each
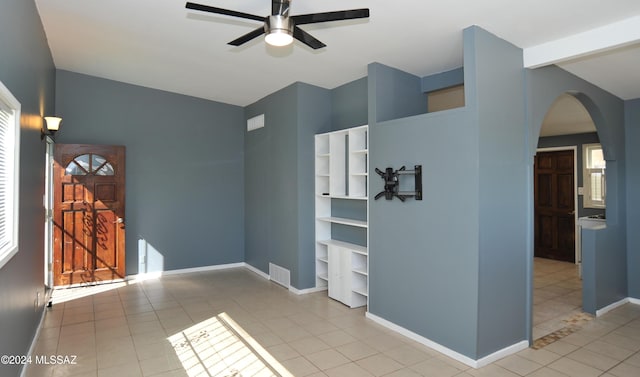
(557, 295)
(234, 323)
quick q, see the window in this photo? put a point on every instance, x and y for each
(89, 164)
(594, 176)
(9, 174)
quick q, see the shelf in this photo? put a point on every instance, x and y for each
(343, 221)
(361, 292)
(358, 249)
(342, 176)
(361, 271)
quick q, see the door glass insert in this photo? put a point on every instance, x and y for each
(97, 160)
(92, 164)
(74, 169)
(83, 161)
(105, 169)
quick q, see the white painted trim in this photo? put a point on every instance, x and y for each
(157, 274)
(447, 351)
(608, 37)
(576, 231)
(10, 103)
(510, 350)
(610, 307)
(256, 271)
(305, 291)
(34, 341)
(635, 301)
(292, 289)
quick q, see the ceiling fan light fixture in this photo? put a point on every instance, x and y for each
(278, 38)
(278, 31)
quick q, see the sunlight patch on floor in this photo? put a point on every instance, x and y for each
(218, 346)
(64, 294)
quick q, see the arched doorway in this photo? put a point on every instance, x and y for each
(560, 184)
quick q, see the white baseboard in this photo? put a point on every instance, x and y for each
(617, 304)
(32, 347)
(157, 274)
(306, 290)
(292, 289)
(256, 271)
(447, 351)
(510, 350)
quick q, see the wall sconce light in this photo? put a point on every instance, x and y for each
(50, 127)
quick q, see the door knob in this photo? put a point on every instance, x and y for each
(120, 220)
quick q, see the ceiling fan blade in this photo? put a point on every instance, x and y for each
(247, 37)
(307, 38)
(280, 7)
(313, 18)
(226, 12)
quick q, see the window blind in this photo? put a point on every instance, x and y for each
(6, 154)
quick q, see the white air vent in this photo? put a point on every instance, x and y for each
(255, 122)
(279, 275)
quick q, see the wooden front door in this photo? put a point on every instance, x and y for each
(554, 206)
(88, 218)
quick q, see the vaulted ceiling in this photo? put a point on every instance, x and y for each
(162, 45)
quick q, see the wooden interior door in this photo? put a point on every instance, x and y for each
(554, 205)
(88, 213)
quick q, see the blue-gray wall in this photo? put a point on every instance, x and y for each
(632, 139)
(279, 174)
(423, 255)
(577, 140)
(452, 268)
(185, 168)
(604, 257)
(202, 191)
(27, 70)
(494, 87)
(349, 105)
(443, 80)
(393, 94)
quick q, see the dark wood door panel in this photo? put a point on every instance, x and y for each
(565, 193)
(554, 205)
(544, 186)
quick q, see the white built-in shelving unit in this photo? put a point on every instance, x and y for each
(341, 169)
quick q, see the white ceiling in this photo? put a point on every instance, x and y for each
(160, 44)
(567, 116)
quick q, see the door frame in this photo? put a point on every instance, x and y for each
(48, 212)
(576, 230)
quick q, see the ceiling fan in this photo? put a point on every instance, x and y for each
(279, 27)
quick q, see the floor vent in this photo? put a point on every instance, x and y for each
(279, 275)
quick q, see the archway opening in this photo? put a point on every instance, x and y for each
(563, 193)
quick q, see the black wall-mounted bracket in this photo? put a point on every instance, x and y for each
(392, 183)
